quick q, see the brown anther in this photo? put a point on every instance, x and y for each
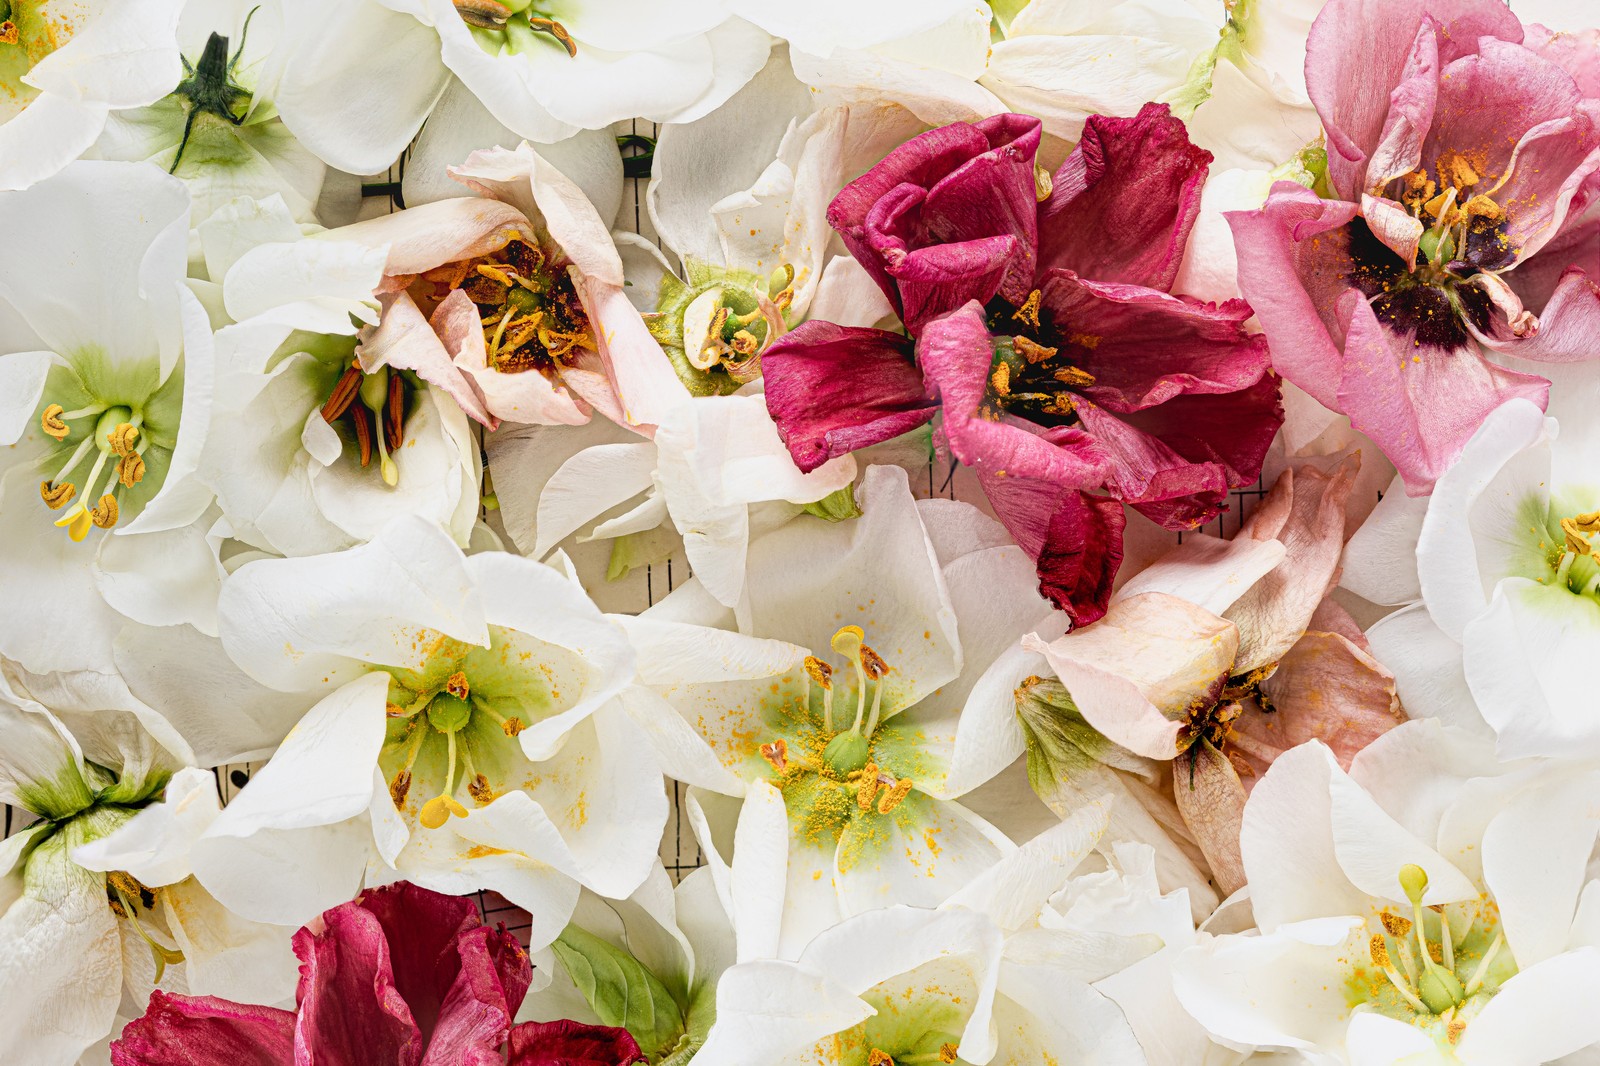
(558, 344)
(484, 14)
(1029, 311)
(344, 391)
(894, 795)
(480, 791)
(873, 663)
(395, 413)
(398, 789)
(130, 469)
(358, 415)
(8, 32)
(744, 342)
(556, 30)
(56, 496)
(123, 439)
(777, 753)
(879, 1058)
(819, 671)
(1032, 350)
(393, 710)
(104, 513)
(1000, 379)
(1378, 948)
(868, 789)
(457, 685)
(1074, 376)
(1395, 925)
(50, 421)
(513, 726)
(948, 1053)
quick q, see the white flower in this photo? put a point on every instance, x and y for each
(1430, 906)
(867, 640)
(458, 730)
(108, 381)
(89, 924)
(68, 67)
(715, 475)
(1502, 582)
(365, 82)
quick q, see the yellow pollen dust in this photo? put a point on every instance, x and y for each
(1395, 925)
(867, 790)
(1032, 350)
(1071, 375)
(1043, 184)
(56, 496)
(1378, 948)
(1000, 380)
(819, 671)
(777, 753)
(879, 1058)
(50, 421)
(1029, 311)
(894, 795)
(512, 726)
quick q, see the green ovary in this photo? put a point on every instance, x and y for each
(452, 727)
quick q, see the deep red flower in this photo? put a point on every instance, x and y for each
(1044, 331)
(402, 977)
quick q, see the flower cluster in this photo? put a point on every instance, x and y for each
(592, 533)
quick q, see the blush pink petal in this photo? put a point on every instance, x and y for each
(1211, 799)
(405, 340)
(1125, 200)
(1569, 324)
(1137, 672)
(569, 1043)
(1392, 224)
(527, 397)
(1411, 108)
(445, 231)
(203, 1031)
(1575, 51)
(832, 389)
(1275, 611)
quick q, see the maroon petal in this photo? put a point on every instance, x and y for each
(1356, 55)
(967, 182)
(202, 1031)
(832, 389)
(1075, 540)
(1143, 471)
(1229, 430)
(1125, 200)
(475, 1018)
(570, 1043)
(351, 1012)
(422, 928)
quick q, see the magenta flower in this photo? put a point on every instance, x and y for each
(1043, 328)
(402, 976)
(1462, 151)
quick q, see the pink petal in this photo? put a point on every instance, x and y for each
(445, 231)
(1211, 799)
(1144, 471)
(405, 340)
(1074, 539)
(526, 397)
(1125, 200)
(638, 371)
(492, 974)
(1137, 672)
(570, 1043)
(1392, 224)
(1325, 688)
(351, 1011)
(832, 389)
(1568, 325)
(203, 1031)
(1577, 52)
(1411, 107)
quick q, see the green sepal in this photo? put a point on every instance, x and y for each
(621, 991)
(836, 506)
(1308, 167)
(1059, 741)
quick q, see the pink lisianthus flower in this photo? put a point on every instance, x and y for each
(513, 302)
(1223, 654)
(402, 976)
(1042, 326)
(1462, 155)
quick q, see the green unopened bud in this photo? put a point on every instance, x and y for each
(448, 714)
(1439, 989)
(846, 753)
(1413, 881)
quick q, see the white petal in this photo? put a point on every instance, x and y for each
(1380, 561)
(50, 132)
(1416, 772)
(1544, 1012)
(316, 286)
(928, 850)
(162, 579)
(586, 486)
(154, 845)
(1376, 1040)
(759, 872)
(768, 1011)
(127, 57)
(822, 27)
(1372, 848)
(228, 956)
(22, 376)
(1429, 673)
(1013, 890)
(847, 295)
(1208, 572)
(988, 735)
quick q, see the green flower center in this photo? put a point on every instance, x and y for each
(29, 31)
(513, 26)
(1436, 969)
(919, 1020)
(715, 325)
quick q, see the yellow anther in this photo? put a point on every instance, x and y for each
(123, 438)
(512, 726)
(777, 754)
(484, 14)
(496, 273)
(56, 496)
(847, 641)
(744, 342)
(868, 789)
(399, 787)
(879, 1058)
(1578, 528)
(457, 685)
(819, 671)
(894, 795)
(479, 789)
(104, 513)
(1378, 948)
(438, 810)
(50, 422)
(1029, 311)
(1074, 376)
(1395, 925)
(130, 469)
(1482, 206)
(947, 1053)
(1000, 379)
(1454, 169)
(1032, 350)
(556, 30)
(9, 34)
(1043, 184)
(1453, 1030)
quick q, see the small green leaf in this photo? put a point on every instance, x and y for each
(836, 506)
(621, 991)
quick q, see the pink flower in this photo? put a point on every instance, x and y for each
(1223, 654)
(1462, 152)
(403, 977)
(1069, 377)
(513, 302)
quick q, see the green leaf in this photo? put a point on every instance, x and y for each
(620, 990)
(836, 506)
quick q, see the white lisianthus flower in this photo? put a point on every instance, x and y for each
(1430, 906)
(108, 381)
(1499, 577)
(715, 475)
(857, 693)
(544, 71)
(65, 67)
(90, 926)
(459, 730)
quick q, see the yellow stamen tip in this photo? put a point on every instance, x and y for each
(104, 513)
(456, 684)
(512, 726)
(56, 496)
(123, 438)
(130, 469)
(894, 796)
(948, 1052)
(1378, 948)
(50, 421)
(437, 811)
(819, 671)
(873, 663)
(847, 641)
